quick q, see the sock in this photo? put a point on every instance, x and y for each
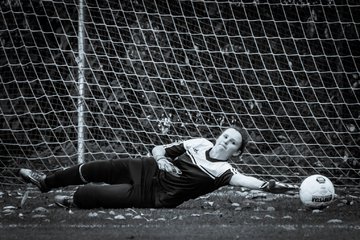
(66, 177)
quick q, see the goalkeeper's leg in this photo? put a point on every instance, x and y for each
(112, 172)
(131, 184)
(112, 196)
(96, 196)
(45, 183)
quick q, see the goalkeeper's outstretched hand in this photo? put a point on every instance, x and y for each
(276, 187)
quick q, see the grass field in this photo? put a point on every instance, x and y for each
(225, 214)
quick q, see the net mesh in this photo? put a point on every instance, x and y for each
(162, 71)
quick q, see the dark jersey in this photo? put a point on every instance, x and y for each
(201, 174)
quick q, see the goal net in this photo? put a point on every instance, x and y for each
(85, 80)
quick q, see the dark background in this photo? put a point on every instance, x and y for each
(160, 71)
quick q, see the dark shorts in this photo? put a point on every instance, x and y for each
(118, 183)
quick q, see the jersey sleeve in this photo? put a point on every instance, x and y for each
(174, 150)
(225, 178)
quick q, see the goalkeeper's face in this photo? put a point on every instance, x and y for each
(227, 144)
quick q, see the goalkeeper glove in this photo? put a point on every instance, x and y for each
(276, 187)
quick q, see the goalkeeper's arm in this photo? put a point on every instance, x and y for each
(242, 180)
(253, 183)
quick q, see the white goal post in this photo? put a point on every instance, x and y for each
(85, 80)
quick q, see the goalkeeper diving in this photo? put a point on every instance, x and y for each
(174, 174)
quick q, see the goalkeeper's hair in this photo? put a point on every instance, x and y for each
(244, 135)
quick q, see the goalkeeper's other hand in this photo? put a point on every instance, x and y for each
(276, 187)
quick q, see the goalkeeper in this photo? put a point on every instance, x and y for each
(174, 174)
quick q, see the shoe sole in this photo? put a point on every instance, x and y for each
(60, 204)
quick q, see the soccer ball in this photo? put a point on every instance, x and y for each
(317, 192)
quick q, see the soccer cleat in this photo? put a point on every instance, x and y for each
(64, 201)
(35, 177)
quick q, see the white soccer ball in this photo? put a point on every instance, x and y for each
(317, 192)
